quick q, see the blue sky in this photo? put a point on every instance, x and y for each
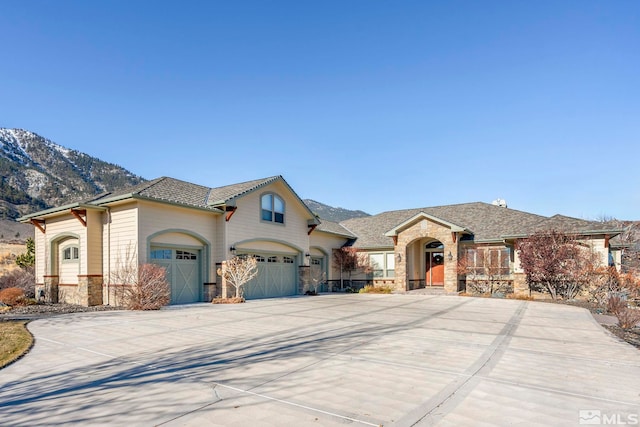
(371, 105)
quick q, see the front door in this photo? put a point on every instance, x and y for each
(434, 269)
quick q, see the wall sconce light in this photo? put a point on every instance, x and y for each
(232, 249)
(399, 256)
(307, 254)
(450, 257)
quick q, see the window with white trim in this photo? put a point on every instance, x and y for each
(71, 253)
(383, 264)
(272, 208)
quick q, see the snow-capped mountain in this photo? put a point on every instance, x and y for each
(38, 173)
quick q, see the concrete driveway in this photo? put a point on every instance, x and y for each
(329, 360)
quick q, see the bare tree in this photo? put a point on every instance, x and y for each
(318, 278)
(348, 260)
(237, 271)
(556, 263)
(139, 286)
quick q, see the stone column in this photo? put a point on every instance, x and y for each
(51, 289)
(226, 292)
(400, 282)
(90, 289)
(304, 276)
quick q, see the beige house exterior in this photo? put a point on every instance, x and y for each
(83, 249)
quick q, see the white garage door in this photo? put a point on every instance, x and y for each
(183, 272)
(276, 277)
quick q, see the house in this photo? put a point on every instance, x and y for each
(83, 248)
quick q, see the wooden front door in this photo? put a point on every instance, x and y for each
(434, 269)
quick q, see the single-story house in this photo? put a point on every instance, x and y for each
(191, 229)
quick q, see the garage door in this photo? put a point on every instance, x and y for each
(276, 277)
(183, 272)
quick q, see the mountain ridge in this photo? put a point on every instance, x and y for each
(331, 213)
(38, 173)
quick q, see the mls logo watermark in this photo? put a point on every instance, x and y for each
(598, 418)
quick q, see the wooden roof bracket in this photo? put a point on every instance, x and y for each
(40, 224)
(454, 236)
(311, 228)
(78, 214)
(230, 211)
(395, 240)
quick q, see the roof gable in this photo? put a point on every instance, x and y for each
(419, 217)
(226, 196)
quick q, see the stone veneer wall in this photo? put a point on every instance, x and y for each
(520, 284)
(304, 279)
(427, 229)
(50, 289)
(90, 290)
(210, 291)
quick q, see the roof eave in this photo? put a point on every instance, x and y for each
(610, 232)
(57, 211)
(172, 203)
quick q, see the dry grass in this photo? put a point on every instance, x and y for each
(523, 297)
(370, 289)
(15, 341)
(8, 254)
(234, 300)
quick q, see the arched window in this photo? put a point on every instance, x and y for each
(272, 208)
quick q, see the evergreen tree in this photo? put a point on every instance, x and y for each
(27, 259)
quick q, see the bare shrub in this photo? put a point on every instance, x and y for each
(22, 278)
(237, 271)
(628, 317)
(615, 304)
(151, 290)
(12, 296)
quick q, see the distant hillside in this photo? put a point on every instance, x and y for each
(332, 214)
(11, 231)
(38, 173)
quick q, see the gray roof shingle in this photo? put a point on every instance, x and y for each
(221, 195)
(486, 222)
(334, 228)
(164, 189)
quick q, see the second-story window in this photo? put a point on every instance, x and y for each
(272, 208)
